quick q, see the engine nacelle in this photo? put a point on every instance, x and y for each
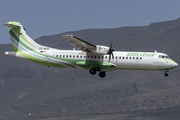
(100, 49)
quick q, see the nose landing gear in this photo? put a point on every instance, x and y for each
(166, 74)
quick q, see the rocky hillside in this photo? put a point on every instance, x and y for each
(32, 91)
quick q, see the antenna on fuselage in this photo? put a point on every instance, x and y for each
(129, 49)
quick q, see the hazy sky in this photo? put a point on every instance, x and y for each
(48, 17)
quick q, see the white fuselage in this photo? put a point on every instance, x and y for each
(122, 60)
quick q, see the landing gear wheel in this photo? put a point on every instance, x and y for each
(102, 74)
(165, 74)
(92, 71)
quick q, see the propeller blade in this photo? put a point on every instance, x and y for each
(112, 55)
(110, 51)
(109, 57)
(111, 44)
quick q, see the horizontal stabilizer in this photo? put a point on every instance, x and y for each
(11, 25)
(16, 55)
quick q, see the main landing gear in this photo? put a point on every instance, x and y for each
(102, 74)
(93, 72)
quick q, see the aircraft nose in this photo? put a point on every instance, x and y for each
(174, 64)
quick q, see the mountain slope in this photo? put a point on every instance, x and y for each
(29, 90)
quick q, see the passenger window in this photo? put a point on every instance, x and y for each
(73, 56)
(70, 56)
(84, 56)
(88, 56)
(80, 56)
(119, 57)
(66, 56)
(106, 57)
(59, 55)
(102, 57)
(98, 56)
(77, 56)
(95, 57)
(116, 57)
(140, 58)
(133, 58)
(129, 57)
(126, 57)
(136, 58)
(122, 57)
(91, 56)
(63, 56)
(56, 55)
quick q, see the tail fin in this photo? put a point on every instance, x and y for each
(19, 39)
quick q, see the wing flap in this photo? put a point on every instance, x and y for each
(80, 44)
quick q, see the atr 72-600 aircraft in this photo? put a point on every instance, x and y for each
(88, 56)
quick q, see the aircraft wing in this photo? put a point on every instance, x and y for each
(80, 44)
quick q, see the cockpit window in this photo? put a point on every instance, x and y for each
(167, 57)
(164, 56)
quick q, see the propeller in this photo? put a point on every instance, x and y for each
(110, 52)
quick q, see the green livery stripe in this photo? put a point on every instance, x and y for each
(18, 40)
(14, 36)
(26, 55)
(88, 64)
(14, 23)
(22, 36)
(29, 49)
(24, 45)
(15, 49)
(38, 60)
(146, 69)
(82, 62)
(169, 60)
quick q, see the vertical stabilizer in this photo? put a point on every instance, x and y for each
(19, 39)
